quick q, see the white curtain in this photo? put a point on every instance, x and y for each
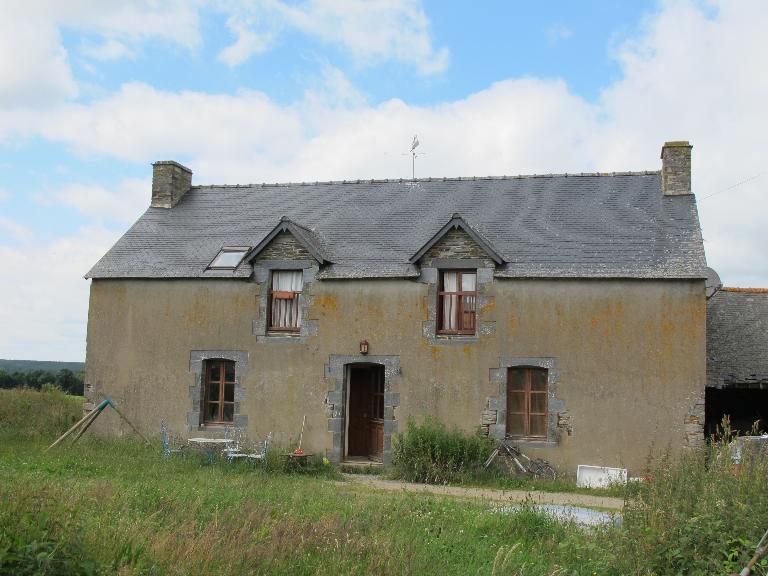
(286, 313)
(450, 303)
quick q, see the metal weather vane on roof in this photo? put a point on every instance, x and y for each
(414, 144)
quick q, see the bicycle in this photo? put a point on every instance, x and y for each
(537, 468)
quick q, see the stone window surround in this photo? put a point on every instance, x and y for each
(558, 420)
(262, 274)
(336, 376)
(197, 359)
(430, 275)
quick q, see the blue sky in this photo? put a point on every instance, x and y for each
(92, 93)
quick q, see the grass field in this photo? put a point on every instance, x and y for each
(115, 507)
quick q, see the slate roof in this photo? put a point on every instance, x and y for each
(737, 338)
(551, 226)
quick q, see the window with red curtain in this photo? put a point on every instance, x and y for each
(284, 309)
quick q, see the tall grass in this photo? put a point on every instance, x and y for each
(34, 414)
(698, 514)
(116, 507)
(429, 452)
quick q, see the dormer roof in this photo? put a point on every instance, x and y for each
(458, 223)
(304, 236)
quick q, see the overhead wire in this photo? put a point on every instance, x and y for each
(755, 177)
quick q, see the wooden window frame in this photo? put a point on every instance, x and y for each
(528, 393)
(461, 329)
(220, 382)
(283, 295)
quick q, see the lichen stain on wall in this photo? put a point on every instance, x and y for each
(488, 307)
(328, 303)
(607, 317)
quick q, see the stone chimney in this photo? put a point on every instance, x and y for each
(170, 181)
(676, 168)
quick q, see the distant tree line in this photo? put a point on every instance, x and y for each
(66, 380)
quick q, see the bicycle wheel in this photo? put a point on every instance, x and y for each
(543, 470)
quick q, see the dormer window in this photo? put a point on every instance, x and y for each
(284, 309)
(456, 302)
(228, 258)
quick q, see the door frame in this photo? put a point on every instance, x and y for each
(336, 374)
(347, 390)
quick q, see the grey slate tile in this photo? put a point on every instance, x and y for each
(595, 226)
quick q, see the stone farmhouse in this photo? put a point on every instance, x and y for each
(567, 310)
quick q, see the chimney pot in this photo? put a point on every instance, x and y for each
(170, 181)
(676, 168)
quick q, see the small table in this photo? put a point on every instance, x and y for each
(299, 459)
(210, 445)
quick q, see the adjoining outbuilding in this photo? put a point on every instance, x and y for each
(737, 360)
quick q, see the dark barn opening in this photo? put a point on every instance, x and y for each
(743, 406)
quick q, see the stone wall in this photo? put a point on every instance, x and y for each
(456, 244)
(284, 247)
(630, 358)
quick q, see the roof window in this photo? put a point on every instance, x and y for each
(229, 257)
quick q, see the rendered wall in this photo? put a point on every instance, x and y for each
(627, 358)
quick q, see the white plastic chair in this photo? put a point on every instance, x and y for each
(256, 453)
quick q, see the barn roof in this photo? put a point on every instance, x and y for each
(737, 338)
(616, 225)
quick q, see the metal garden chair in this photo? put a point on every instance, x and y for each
(172, 443)
(253, 453)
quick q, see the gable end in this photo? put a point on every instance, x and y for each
(284, 246)
(457, 240)
(288, 241)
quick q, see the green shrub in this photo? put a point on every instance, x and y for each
(429, 452)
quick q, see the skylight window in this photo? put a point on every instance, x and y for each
(229, 257)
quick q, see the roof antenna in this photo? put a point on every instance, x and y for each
(413, 154)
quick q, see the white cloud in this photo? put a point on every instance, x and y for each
(109, 49)
(34, 65)
(4, 194)
(15, 230)
(47, 304)
(558, 31)
(369, 31)
(248, 43)
(124, 204)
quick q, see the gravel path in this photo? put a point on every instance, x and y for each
(538, 497)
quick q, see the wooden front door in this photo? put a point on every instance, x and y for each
(365, 412)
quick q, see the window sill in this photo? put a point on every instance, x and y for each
(456, 339)
(534, 443)
(214, 426)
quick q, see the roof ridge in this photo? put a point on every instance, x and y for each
(745, 290)
(431, 179)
